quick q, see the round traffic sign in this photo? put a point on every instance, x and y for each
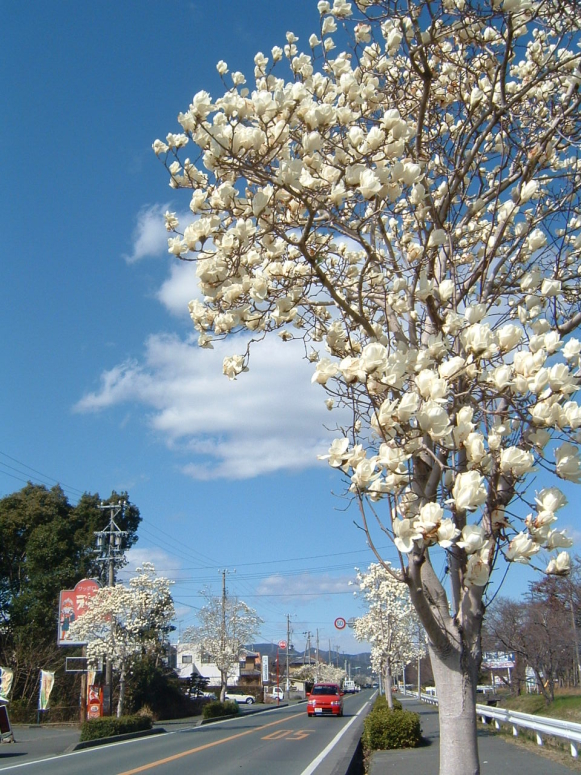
(340, 623)
(282, 644)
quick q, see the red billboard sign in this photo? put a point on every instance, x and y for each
(72, 604)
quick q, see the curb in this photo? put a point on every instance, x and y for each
(115, 739)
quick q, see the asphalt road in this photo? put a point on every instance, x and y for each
(281, 741)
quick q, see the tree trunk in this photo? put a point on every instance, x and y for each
(223, 685)
(121, 701)
(388, 686)
(455, 675)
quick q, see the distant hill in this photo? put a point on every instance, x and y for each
(362, 661)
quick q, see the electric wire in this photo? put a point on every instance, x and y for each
(177, 549)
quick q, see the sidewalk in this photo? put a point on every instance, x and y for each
(497, 757)
(38, 742)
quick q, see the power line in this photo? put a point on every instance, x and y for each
(285, 594)
(39, 473)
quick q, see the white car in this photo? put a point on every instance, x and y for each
(241, 699)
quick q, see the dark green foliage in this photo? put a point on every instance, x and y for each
(97, 728)
(197, 684)
(47, 545)
(152, 686)
(217, 709)
(384, 729)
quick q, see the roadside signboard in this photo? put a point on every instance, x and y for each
(498, 660)
(5, 728)
(264, 665)
(72, 604)
(6, 680)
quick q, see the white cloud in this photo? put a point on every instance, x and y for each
(269, 419)
(164, 563)
(180, 288)
(149, 236)
(306, 587)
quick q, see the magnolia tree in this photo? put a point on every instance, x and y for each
(390, 624)
(408, 205)
(320, 672)
(125, 622)
(226, 625)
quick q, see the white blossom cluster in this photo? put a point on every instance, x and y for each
(410, 208)
(224, 627)
(390, 624)
(125, 621)
(321, 672)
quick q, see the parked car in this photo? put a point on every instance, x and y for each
(325, 700)
(276, 693)
(241, 699)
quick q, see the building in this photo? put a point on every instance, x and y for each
(190, 659)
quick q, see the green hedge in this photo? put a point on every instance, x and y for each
(109, 726)
(217, 709)
(384, 729)
(381, 702)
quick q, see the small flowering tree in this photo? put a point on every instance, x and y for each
(125, 622)
(408, 205)
(390, 624)
(320, 672)
(225, 626)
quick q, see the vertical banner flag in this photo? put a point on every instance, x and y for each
(46, 684)
(6, 678)
(91, 675)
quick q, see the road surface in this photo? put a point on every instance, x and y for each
(281, 741)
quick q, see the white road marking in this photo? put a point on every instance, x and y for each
(315, 763)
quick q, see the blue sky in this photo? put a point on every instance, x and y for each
(103, 386)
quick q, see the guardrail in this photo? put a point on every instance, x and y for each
(540, 725)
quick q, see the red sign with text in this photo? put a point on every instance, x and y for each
(72, 604)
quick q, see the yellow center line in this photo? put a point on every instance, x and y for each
(176, 756)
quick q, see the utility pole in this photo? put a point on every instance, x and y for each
(317, 664)
(111, 554)
(223, 628)
(287, 655)
(223, 678)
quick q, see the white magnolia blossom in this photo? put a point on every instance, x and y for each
(390, 624)
(522, 548)
(559, 565)
(473, 539)
(319, 672)
(409, 207)
(224, 627)
(469, 491)
(122, 622)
